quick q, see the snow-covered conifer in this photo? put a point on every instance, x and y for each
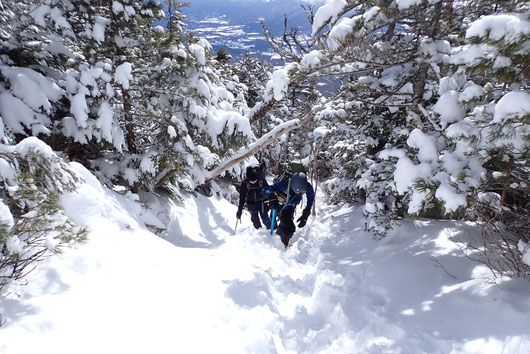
(493, 139)
(32, 222)
(392, 55)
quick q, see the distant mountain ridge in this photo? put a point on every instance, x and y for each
(236, 25)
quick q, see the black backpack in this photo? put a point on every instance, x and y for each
(259, 169)
(260, 172)
(253, 190)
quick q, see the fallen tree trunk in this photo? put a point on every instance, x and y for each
(264, 141)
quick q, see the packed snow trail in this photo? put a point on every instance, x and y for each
(205, 290)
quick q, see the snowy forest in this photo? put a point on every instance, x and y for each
(427, 119)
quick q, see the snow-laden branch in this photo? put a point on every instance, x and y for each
(260, 144)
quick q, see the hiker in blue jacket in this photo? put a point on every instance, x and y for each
(289, 193)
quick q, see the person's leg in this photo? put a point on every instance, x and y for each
(254, 215)
(286, 227)
(264, 213)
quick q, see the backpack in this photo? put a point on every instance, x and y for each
(254, 190)
(260, 171)
(287, 173)
(289, 170)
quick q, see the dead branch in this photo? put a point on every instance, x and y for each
(259, 145)
(155, 229)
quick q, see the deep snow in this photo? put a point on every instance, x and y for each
(199, 288)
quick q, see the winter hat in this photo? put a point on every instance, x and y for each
(252, 175)
(299, 182)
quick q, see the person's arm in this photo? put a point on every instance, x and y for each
(242, 194)
(264, 187)
(310, 195)
(278, 187)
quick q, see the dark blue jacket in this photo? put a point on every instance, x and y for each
(294, 199)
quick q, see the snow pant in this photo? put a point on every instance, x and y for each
(286, 226)
(257, 210)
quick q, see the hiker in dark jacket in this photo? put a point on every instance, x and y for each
(289, 193)
(250, 196)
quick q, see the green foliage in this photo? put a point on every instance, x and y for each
(223, 56)
(254, 74)
(31, 187)
(500, 203)
(431, 207)
(398, 75)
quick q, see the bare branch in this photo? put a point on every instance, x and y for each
(439, 265)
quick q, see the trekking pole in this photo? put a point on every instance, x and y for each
(273, 220)
(235, 228)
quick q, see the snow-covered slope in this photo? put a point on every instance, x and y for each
(200, 288)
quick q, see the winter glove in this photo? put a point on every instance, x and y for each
(265, 191)
(302, 220)
(239, 212)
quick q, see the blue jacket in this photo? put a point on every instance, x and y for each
(294, 199)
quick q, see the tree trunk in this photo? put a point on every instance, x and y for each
(506, 184)
(313, 168)
(129, 124)
(421, 77)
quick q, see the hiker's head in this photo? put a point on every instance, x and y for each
(298, 182)
(252, 176)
